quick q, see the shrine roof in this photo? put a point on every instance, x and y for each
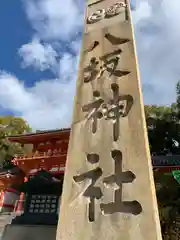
(40, 135)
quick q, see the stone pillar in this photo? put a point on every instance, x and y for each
(108, 188)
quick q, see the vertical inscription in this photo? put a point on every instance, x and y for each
(119, 105)
(118, 178)
(111, 79)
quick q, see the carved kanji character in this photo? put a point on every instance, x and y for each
(91, 71)
(93, 110)
(118, 106)
(91, 192)
(115, 181)
(108, 62)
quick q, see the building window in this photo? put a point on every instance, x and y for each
(43, 204)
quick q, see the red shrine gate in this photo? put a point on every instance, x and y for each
(46, 150)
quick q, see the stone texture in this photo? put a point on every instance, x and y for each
(127, 146)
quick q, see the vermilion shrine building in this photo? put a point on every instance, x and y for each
(32, 189)
(44, 150)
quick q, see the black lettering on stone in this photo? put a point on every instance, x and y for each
(108, 63)
(93, 110)
(115, 40)
(118, 178)
(93, 46)
(91, 71)
(119, 106)
(92, 192)
(111, 61)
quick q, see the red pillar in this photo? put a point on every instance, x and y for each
(20, 205)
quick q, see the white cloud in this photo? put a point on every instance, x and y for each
(157, 38)
(46, 105)
(67, 66)
(55, 19)
(38, 55)
(142, 11)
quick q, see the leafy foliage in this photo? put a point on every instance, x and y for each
(10, 125)
(168, 195)
(176, 175)
(163, 124)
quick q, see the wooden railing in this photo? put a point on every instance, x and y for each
(51, 161)
(37, 154)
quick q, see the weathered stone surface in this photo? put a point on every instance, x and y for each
(108, 189)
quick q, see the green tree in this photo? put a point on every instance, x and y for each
(163, 129)
(178, 95)
(10, 125)
(168, 195)
(163, 123)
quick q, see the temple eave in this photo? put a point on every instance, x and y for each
(40, 136)
(28, 165)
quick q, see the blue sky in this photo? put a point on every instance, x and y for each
(40, 43)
